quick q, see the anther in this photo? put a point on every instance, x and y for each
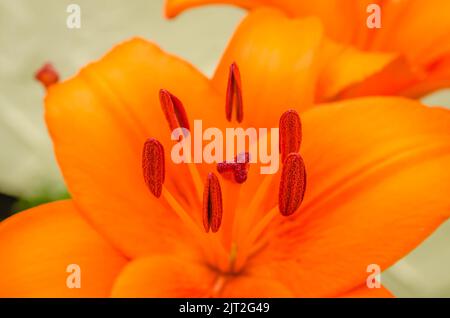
(153, 166)
(173, 110)
(212, 204)
(292, 184)
(234, 94)
(290, 133)
(47, 75)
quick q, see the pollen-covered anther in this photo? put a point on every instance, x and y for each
(238, 168)
(292, 184)
(47, 75)
(212, 204)
(153, 166)
(234, 95)
(290, 133)
(173, 110)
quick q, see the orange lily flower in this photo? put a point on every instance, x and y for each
(409, 55)
(141, 226)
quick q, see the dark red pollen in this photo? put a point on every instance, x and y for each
(153, 166)
(290, 133)
(173, 110)
(292, 184)
(212, 204)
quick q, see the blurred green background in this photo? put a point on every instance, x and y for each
(33, 32)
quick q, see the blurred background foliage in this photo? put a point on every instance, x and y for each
(34, 32)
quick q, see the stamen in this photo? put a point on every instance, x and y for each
(212, 204)
(173, 110)
(292, 184)
(47, 75)
(234, 94)
(290, 133)
(153, 166)
(239, 167)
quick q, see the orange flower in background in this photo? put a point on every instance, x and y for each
(409, 55)
(377, 179)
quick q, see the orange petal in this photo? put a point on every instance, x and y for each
(365, 292)
(99, 121)
(175, 7)
(410, 27)
(395, 77)
(164, 276)
(275, 70)
(346, 67)
(251, 287)
(168, 276)
(338, 16)
(39, 244)
(378, 184)
(415, 27)
(437, 77)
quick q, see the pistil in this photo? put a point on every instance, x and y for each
(238, 168)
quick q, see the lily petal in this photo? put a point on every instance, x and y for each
(335, 14)
(99, 121)
(169, 276)
(378, 184)
(275, 70)
(251, 287)
(164, 276)
(349, 68)
(365, 292)
(415, 27)
(413, 30)
(173, 8)
(39, 244)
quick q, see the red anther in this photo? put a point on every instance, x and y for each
(153, 166)
(234, 94)
(292, 184)
(47, 75)
(212, 204)
(173, 110)
(290, 133)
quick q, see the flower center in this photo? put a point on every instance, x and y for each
(238, 232)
